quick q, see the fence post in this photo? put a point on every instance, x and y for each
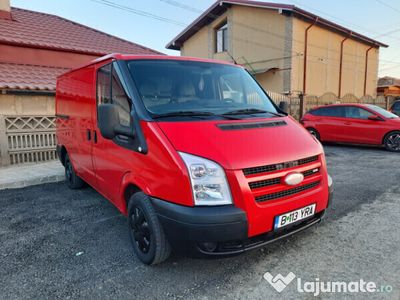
(5, 158)
(302, 105)
(387, 101)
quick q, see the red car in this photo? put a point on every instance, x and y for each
(192, 151)
(354, 123)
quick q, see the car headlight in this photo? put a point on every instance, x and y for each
(209, 184)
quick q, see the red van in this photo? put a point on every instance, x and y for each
(192, 151)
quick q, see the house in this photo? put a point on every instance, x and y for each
(389, 86)
(36, 47)
(288, 49)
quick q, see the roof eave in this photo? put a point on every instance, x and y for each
(337, 27)
(177, 42)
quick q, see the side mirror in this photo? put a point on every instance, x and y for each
(374, 118)
(109, 122)
(284, 106)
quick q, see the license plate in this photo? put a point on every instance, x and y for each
(294, 216)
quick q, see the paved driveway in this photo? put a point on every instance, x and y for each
(58, 243)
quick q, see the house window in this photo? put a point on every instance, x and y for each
(222, 37)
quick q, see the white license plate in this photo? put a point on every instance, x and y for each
(294, 216)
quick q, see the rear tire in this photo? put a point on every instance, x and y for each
(74, 181)
(147, 235)
(392, 141)
(314, 132)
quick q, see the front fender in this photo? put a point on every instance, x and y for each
(128, 179)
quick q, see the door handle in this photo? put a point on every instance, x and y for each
(88, 137)
(95, 136)
(347, 123)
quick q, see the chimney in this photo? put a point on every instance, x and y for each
(5, 9)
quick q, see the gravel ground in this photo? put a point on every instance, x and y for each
(58, 243)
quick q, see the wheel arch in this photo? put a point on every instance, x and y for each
(385, 136)
(63, 152)
(131, 185)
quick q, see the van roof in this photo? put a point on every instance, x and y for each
(119, 56)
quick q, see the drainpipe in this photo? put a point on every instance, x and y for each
(341, 64)
(305, 54)
(366, 69)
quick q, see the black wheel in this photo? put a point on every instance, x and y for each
(148, 239)
(392, 141)
(314, 132)
(74, 182)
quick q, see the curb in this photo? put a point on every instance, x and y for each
(32, 181)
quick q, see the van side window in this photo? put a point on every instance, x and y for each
(110, 90)
(103, 85)
(120, 99)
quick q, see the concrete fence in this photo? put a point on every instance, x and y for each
(27, 139)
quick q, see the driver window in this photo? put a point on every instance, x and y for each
(120, 99)
(110, 91)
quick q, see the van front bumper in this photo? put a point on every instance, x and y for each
(217, 230)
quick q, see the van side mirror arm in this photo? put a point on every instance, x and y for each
(124, 130)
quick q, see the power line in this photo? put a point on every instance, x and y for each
(138, 12)
(181, 5)
(334, 17)
(388, 5)
(284, 38)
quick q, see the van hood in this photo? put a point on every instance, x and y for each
(245, 143)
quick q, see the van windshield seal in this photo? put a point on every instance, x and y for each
(184, 88)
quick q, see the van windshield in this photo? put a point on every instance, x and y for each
(174, 88)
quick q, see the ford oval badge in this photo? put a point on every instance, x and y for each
(294, 178)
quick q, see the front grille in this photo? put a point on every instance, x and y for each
(310, 172)
(273, 181)
(281, 166)
(288, 192)
(263, 183)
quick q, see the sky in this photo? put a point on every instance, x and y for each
(153, 23)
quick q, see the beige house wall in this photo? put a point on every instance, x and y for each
(259, 41)
(254, 35)
(323, 62)
(26, 105)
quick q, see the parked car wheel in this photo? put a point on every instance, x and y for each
(392, 141)
(74, 181)
(148, 239)
(314, 132)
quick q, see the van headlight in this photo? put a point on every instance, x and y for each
(209, 184)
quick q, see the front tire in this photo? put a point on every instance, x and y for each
(147, 235)
(74, 181)
(392, 141)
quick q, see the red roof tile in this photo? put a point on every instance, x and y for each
(35, 29)
(28, 77)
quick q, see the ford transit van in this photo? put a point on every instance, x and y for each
(192, 151)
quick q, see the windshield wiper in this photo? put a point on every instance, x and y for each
(249, 111)
(191, 114)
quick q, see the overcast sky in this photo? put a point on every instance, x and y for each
(379, 19)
